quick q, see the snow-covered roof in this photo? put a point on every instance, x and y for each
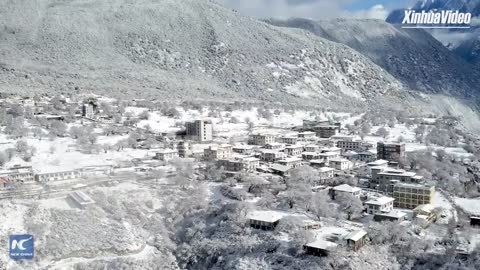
(346, 188)
(326, 169)
(296, 146)
(378, 162)
(166, 151)
(356, 235)
(380, 201)
(291, 159)
(394, 214)
(322, 244)
(266, 216)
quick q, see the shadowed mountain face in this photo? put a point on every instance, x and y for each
(178, 49)
(412, 56)
(463, 42)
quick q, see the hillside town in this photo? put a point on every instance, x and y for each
(323, 183)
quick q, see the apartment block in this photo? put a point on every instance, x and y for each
(410, 196)
(262, 139)
(391, 151)
(200, 130)
(223, 151)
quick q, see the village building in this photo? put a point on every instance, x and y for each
(275, 146)
(291, 162)
(367, 156)
(264, 220)
(410, 196)
(200, 130)
(311, 148)
(280, 170)
(17, 174)
(309, 155)
(291, 140)
(57, 176)
(81, 199)
(340, 164)
(166, 154)
(391, 151)
(183, 148)
(394, 216)
(325, 173)
(346, 189)
(261, 139)
(350, 155)
(318, 163)
(248, 164)
(379, 205)
(307, 135)
(382, 178)
(327, 156)
(223, 151)
(356, 239)
(271, 155)
(293, 150)
(243, 149)
(326, 131)
(320, 247)
(424, 214)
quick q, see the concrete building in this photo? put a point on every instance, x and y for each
(262, 139)
(274, 146)
(410, 196)
(325, 173)
(57, 176)
(223, 151)
(394, 216)
(18, 174)
(318, 163)
(326, 131)
(383, 178)
(424, 215)
(183, 149)
(248, 164)
(320, 247)
(81, 199)
(243, 149)
(293, 150)
(379, 205)
(292, 162)
(327, 156)
(89, 109)
(309, 155)
(307, 135)
(340, 164)
(166, 154)
(291, 140)
(312, 148)
(311, 124)
(346, 189)
(391, 151)
(200, 130)
(271, 155)
(367, 156)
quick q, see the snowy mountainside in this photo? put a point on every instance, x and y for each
(412, 56)
(178, 49)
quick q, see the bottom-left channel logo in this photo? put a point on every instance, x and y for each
(21, 247)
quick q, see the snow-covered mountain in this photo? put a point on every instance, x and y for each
(178, 49)
(464, 42)
(411, 55)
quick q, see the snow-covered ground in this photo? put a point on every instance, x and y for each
(470, 206)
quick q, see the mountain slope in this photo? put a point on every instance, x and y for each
(411, 55)
(177, 49)
(463, 42)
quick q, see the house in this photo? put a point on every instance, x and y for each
(291, 140)
(18, 174)
(379, 205)
(320, 247)
(356, 239)
(325, 173)
(352, 143)
(271, 155)
(340, 164)
(367, 156)
(327, 156)
(56, 176)
(346, 189)
(474, 221)
(280, 169)
(183, 149)
(311, 124)
(243, 149)
(410, 196)
(291, 162)
(81, 199)
(261, 139)
(293, 150)
(318, 163)
(223, 151)
(394, 215)
(311, 148)
(307, 135)
(166, 154)
(326, 131)
(264, 220)
(248, 164)
(274, 146)
(309, 155)
(382, 177)
(391, 151)
(350, 155)
(424, 214)
(200, 130)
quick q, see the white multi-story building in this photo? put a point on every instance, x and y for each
(381, 204)
(341, 164)
(293, 150)
(166, 154)
(271, 155)
(223, 151)
(262, 139)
